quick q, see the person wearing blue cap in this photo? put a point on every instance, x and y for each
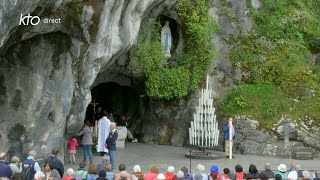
(214, 170)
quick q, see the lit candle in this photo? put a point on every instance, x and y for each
(217, 138)
(207, 86)
(190, 136)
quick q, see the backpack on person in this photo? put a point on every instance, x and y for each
(78, 176)
(28, 172)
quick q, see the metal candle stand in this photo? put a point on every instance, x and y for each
(204, 131)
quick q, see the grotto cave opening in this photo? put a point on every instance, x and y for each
(118, 100)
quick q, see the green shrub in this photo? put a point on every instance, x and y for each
(264, 102)
(168, 83)
(275, 59)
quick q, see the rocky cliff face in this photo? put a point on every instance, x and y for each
(251, 139)
(47, 70)
(168, 122)
(172, 119)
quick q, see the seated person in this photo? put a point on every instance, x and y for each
(123, 122)
(130, 136)
(123, 174)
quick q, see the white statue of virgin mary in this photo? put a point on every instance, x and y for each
(166, 39)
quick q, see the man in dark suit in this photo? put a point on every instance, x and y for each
(56, 163)
(111, 143)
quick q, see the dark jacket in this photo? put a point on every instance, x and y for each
(5, 170)
(187, 176)
(111, 141)
(226, 131)
(56, 164)
(269, 173)
(252, 176)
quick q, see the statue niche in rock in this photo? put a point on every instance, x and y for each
(166, 39)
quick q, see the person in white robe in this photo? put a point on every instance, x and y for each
(103, 132)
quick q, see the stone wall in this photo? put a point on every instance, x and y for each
(122, 136)
(253, 139)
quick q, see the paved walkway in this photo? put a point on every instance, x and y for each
(147, 155)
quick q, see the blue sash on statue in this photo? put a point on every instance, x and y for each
(166, 42)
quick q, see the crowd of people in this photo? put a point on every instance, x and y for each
(30, 169)
(53, 168)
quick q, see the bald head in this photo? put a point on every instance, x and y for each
(2, 156)
(39, 175)
(32, 153)
(123, 175)
(267, 166)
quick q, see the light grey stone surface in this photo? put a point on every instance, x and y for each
(38, 83)
(252, 140)
(122, 135)
(46, 71)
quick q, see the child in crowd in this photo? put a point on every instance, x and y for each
(226, 173)
(72, 144)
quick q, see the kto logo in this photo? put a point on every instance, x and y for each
(33, 20)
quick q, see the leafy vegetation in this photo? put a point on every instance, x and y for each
(264, 102)
(279, 77)
(165, 80)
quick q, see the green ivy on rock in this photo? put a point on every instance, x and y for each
(175, 80)
(279, 77)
